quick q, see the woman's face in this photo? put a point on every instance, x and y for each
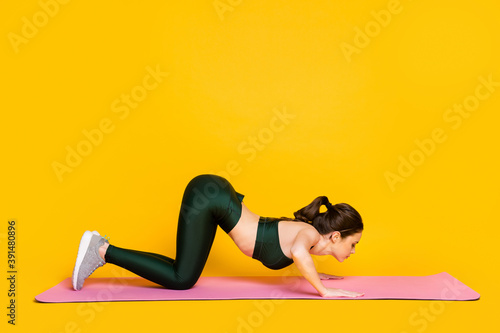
(342, 248)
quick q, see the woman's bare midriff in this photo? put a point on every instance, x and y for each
(244, 232)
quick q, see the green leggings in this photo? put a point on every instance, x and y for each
(208, 201)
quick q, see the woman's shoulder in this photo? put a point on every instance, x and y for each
(299, 227)
(292, 232)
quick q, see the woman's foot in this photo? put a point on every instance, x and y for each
(90, 257)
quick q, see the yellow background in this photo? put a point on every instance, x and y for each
(351, 121)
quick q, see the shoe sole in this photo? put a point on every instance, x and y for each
(82, 250)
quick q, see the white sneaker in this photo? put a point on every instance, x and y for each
(88, 258)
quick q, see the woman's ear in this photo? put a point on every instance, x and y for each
(334, 236)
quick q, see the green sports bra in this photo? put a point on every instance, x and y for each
(267, 245)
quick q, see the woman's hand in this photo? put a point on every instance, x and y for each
(333, 292)
(324, 276)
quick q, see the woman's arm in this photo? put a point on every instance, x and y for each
(304, 262)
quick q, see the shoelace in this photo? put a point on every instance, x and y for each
(92, 271)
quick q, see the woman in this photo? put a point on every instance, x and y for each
(210, 201)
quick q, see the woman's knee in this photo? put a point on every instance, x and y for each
(180, 283)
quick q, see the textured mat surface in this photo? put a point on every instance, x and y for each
(440, 286)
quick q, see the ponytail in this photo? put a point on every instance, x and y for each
(339, 217)
(311, 211)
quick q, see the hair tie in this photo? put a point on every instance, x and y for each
(328, 205)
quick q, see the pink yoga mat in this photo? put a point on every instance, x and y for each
(440, 286)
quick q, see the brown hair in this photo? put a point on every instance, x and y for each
(339, 217)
